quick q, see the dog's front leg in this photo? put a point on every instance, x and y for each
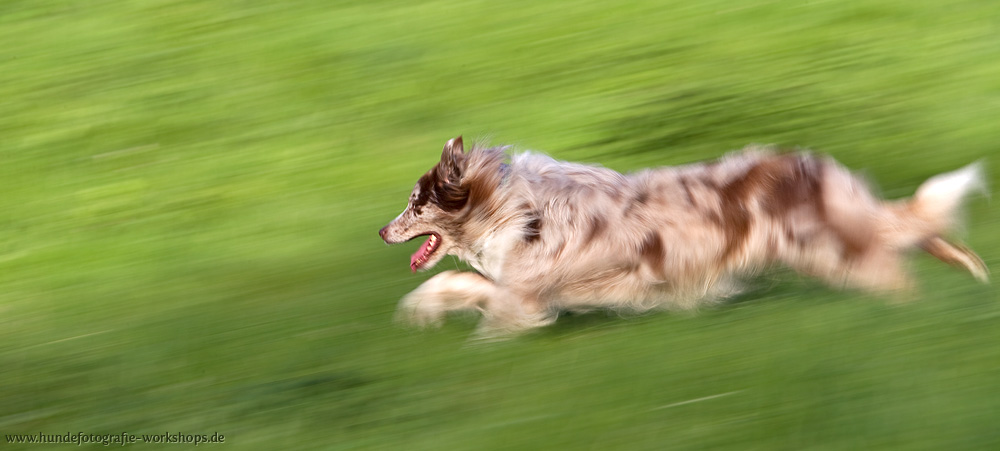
(445, 292)
(504, 312)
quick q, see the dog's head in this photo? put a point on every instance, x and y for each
(434, 207)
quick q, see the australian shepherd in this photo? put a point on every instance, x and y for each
(547, 236)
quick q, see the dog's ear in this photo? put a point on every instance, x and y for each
(452, 161)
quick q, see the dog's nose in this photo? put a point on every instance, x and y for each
(381, 232)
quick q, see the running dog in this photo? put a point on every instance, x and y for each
(547, 236)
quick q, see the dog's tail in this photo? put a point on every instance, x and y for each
(937, 201)
(936, 207)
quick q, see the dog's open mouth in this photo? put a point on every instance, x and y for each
(420, 258)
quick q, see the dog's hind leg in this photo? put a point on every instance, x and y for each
(874, 267)
(957, 255)
(880, 270)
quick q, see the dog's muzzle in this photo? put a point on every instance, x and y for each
(382, 232)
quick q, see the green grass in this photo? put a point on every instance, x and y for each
(191, 192)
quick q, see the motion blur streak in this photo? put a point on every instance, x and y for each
(191, 190)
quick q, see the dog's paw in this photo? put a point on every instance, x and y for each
(419, 311)
(507, 325)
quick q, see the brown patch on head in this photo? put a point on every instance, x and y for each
(441, 186)
(426, 186)
(481, 187)
(652, 253)
(483, 175)
(460, 179)
(451, 197)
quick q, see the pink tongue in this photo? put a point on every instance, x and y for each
(420, 254)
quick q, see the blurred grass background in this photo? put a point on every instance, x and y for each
(191, 194)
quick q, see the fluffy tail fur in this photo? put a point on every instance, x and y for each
(936, 204)
(937, 201)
